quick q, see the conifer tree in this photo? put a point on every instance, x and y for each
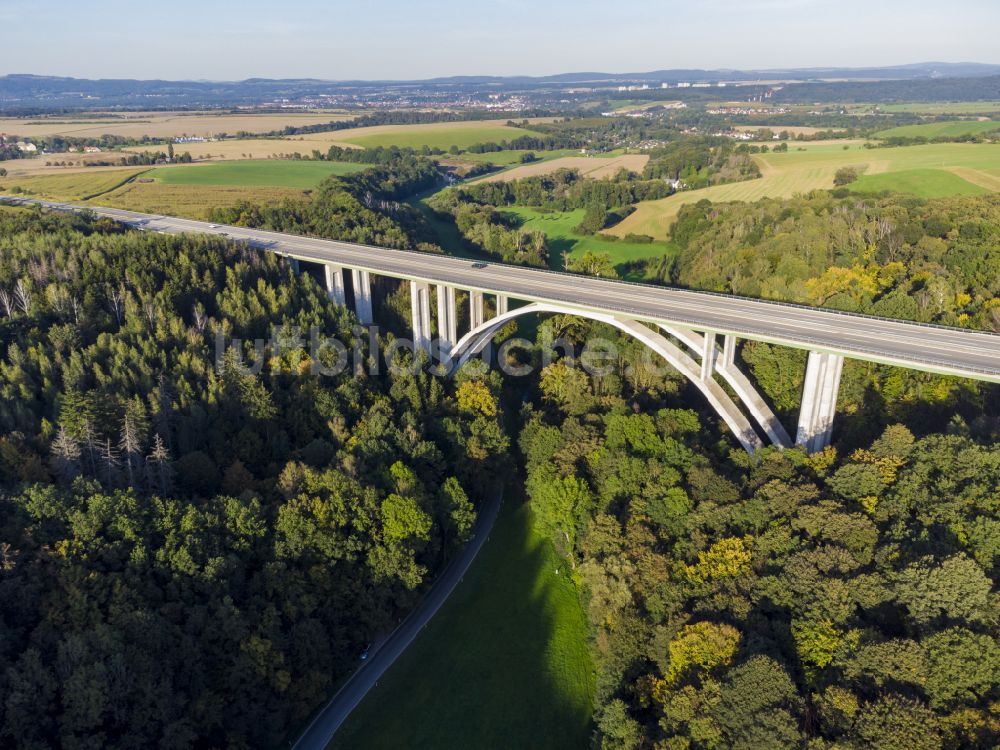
(65, 458)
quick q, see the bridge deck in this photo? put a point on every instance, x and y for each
(950, 351)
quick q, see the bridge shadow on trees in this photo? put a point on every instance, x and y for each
(504, 661)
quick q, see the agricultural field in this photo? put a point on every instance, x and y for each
(943, 108)
(191, 201)
(73, 186)
(54, 164)
(442, 135)
(793, 130)
(589, 166)
(811, 166)
(258, 173)
(924, 183)
(250, 148)
(189, 190)
(941, 129)
(162, 124)
(564, 244)
(515, 620)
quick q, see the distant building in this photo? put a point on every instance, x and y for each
(28, 147)
(91, 150)
(684, 85)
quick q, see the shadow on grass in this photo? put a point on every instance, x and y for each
(503, 664)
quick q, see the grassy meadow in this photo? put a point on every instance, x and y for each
(563, 243)
(952, 168)
(505, 657)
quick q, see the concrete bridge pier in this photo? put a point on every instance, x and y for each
(420, 310)
(447, 318)
(819, 401)
(707, 355)
(728, 351)
(502, 304)
(475, 310)
(362, 284)
(334, 277)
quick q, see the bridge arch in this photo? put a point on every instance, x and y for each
(475, 340)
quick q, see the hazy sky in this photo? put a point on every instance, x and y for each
(226, 40)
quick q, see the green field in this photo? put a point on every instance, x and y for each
(958, 169)
(256, 173)
(943, 108)
(558, 228)
(503, 664)
(925, 183)
(441, 135)
(941, 129)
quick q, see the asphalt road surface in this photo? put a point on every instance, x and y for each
(318, 734)
(940, 349)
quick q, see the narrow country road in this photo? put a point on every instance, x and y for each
(320, 731)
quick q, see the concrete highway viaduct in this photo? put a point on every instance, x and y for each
(696, 332)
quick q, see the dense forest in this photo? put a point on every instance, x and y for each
(193, 552)
(842, 600)
(933, 261)
(364, 207)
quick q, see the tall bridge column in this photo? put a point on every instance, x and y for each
(728, 351)
(334, 277)
(362, 283)
(707, 355)
(502, 304)
(475, 310)
(819, 401)
(420, 310)
(447, 323)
